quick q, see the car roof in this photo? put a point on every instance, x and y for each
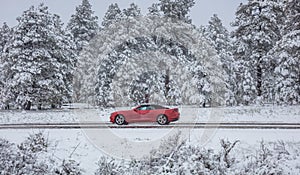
(154, 105)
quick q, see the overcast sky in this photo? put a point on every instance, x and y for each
(200, 13)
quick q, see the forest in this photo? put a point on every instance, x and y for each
(129, 58)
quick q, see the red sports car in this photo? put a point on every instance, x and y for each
(146, 113)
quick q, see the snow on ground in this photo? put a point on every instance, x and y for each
(83, 113)
(87, 149)
(88, 145)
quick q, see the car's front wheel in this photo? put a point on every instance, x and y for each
(162, 119)
(120, 119)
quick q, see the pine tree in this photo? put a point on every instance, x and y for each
(132, 11)
(287, 54)
(66, 55)
(154, 10)
(5, 36)
(258, 28)
(112, 15)
(38, 57)
(218, 37)
(176, 9)
(83, 25)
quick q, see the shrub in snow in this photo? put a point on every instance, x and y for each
(108, 166)
(68, 167)
(271, 158)
(175, 156)
(21, 161)
(31, 157)
(34, 143)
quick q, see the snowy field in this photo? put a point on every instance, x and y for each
(77, 145)
(87, 146)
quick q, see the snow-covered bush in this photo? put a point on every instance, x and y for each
(31, 157)
(271, 158)
(23, 158)
(175, 156)
(68, 167)
(34, 143)
(107, 166)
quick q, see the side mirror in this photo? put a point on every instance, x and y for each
(135, 110)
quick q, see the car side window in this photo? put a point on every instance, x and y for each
(151, 107)
(143, 108)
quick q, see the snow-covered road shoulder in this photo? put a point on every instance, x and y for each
(268, 114)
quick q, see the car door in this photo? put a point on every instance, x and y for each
(133, 115)
(143, 113)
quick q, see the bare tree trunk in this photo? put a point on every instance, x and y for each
(27, 105)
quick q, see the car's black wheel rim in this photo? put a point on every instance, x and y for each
(120, 120)
(162, 119)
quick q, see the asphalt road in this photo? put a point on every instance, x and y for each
(239, 125)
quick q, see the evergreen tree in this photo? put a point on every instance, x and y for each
(175, 9)
(5, 36)
(66, 55)
(83, 25)
(218, 37)
(37, 55)
(112, 15)
(123, 65)
(132, 11)
(287, 54)
(258, 28)
(154, 10)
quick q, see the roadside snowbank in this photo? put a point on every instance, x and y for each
(75, 113)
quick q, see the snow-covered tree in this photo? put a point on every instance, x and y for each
(83, 24)
(132, 11)
(258, 27)
(287, 55)
(124, 53)
(40, 59)
(218, 36)
(5, 36)
(65, 52)
(175, 9)
(112, 15)
(154, 10)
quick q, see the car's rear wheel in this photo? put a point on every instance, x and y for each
(162, 119)
(120, 119)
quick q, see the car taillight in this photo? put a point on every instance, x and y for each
(175, 109)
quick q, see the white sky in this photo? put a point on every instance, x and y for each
(200, 13)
